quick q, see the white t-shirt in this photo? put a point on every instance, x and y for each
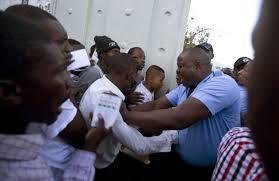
(148, 96)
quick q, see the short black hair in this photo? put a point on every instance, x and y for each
(154, 70)
(31, 12)
(131, 50)
(76, 44)
(120, 63)
(21, 44)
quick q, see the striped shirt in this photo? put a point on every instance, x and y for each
(20, 159)
(237, 157)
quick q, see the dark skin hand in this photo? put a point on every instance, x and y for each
(95, 135)
(144, 131)
(134, 98)
(75, 131)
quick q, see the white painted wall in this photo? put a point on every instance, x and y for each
(158, 26)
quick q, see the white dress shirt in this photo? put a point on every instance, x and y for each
(148, 96)
(121, 132)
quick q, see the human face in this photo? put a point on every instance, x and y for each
(187, 70)
(243, 75)
(58, 34)
(47, 87)
(139, 56)
(178, 78)
(157, 81)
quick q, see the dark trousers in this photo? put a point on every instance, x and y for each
(163, 167)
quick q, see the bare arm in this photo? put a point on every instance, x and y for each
(161, 103)
(75, 132)
(183, 116)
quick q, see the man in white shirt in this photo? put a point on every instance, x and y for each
(121, 72)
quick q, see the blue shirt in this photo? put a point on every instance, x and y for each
(243, 99)
(198, 143)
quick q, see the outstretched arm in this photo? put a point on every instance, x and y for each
(189, 112)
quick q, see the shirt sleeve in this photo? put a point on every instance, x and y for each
(68, 113)
(217, 94)
(81, 167)
(134, 140)
(172, 96)
(87, 105)
(87, 78)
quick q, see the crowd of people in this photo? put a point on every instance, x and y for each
(215, 125)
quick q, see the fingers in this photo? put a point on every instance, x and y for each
(136, 98)
(137, 94)
(101, 121)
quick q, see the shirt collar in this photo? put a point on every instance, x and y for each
(212, 74)
(20, 147)
(112, 88)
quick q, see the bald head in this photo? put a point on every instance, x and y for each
(196, 55)
(193, 66)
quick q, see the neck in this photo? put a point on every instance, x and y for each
(115, 80)
(148, 86)
(102, 65)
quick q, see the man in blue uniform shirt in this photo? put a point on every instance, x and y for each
(207, 105)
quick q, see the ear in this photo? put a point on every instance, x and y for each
(10, 93)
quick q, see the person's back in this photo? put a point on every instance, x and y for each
(238, 158)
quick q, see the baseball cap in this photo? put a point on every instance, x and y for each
(239, 64)
(206, 47)
(104, 44)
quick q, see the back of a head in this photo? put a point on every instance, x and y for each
(31, 12)
(76, 45)
(263, 97)
(20, 44)
(197, 55)
(121, 62)
(153, 70)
